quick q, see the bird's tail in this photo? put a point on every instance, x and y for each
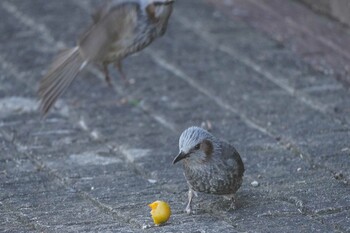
(61, 74)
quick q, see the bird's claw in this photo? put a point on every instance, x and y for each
(188, 210)
(233, 206)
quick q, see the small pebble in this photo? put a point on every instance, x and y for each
(146, 226)
(255, 183)
(132, 81)
(207, 125)
(338, 176)
(152, 181)
(95, 135)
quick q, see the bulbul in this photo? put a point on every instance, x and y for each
(210, 165)
(120, 28)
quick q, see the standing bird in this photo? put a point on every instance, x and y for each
(210, 165)
(120, 28)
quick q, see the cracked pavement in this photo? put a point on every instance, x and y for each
(263, 83)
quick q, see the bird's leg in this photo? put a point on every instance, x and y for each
(231, 198)
(119, 67)
(190, 197)
(106, 73)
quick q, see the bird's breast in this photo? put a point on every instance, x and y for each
(215, 179)
(130, 43)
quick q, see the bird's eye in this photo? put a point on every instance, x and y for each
(197, 146)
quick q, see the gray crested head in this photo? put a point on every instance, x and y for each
(191, 137)
(196, 144)
(157, 4)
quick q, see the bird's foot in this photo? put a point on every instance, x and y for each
(119, 68)
(233, 206)
(108, 80)
(191, 193)
(231, 198)
(189, 210)
(104, 69)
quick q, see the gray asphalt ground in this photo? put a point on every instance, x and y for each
(104, 153)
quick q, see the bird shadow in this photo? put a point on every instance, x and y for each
(207, 203)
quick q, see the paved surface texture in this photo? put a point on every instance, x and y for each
(270, 78)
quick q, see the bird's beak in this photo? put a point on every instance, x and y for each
(180, 156)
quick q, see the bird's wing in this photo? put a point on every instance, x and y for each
(229, 152)
(114, 22)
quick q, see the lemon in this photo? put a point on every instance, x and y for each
(160, 212)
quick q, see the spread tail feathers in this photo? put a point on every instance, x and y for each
(61, 74)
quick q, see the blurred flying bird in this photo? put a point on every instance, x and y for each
(120, 28)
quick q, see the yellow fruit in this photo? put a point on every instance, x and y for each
(160, 212)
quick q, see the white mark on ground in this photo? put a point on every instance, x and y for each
(14, 104)
(62, 108)
(83, 124)
(50, 132)
(135, 154)
(152, 181)
(95, 134)
(92, 158)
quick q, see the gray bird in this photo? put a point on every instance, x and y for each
(120, 28)
(210, 165)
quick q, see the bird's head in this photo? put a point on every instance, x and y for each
(158, 12)
(196, 145)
